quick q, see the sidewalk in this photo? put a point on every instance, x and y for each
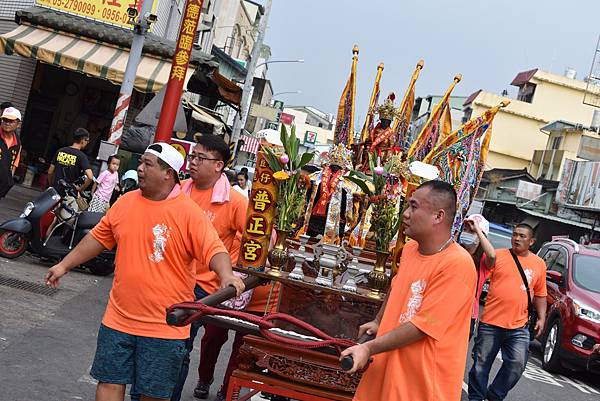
(12, 204)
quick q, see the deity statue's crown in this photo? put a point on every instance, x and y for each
(340, 156)
(387, 111)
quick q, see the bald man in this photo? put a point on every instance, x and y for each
(422, 329)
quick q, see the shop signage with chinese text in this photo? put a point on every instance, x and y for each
(112, 12)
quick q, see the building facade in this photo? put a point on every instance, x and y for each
(566, 141)
(543, 97)
(313, 127)
(425, 105)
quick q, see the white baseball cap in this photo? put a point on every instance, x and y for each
(11, 113)
(481, 221)
(168, 154)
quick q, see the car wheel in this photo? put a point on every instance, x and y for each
(551, 348)
(12, 245)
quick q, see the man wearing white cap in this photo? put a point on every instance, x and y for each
(158, 231)
(10, 148)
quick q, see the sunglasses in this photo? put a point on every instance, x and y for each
(8, 121)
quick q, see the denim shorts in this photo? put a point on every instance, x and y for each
(153, 364)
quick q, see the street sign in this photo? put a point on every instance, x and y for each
(266, 112)
(112, 12)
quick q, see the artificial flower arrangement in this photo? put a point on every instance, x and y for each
(291, 183)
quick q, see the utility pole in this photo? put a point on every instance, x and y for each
(140, 28)
(240, 119)
(179, 68)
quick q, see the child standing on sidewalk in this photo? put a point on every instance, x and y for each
(104, 186)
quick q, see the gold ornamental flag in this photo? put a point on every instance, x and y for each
(344, 127)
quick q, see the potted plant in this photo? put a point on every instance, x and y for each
(291, 186)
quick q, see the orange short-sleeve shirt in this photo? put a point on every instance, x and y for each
(435, 293)
(506, 303)
(228, 219)
(156, 243)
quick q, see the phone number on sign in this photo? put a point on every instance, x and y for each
(86, 8)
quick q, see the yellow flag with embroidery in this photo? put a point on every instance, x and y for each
(344, 127)
(432, 131)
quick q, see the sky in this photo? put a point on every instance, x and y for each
(488, 42)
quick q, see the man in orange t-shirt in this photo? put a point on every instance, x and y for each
(503, 325)
(226, 209)
(422, 328)
(10, 147)
(159, 232)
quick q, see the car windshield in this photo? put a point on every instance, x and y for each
(586, 272)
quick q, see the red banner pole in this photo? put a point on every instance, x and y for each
(179, 66)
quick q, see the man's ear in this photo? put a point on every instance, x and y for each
(440, 216)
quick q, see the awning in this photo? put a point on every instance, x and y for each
(559, 219)
(201, 115)
(85, 55)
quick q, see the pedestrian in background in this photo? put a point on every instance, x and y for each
(504, 323)
(10, 147)
(104, 186)
(70, 163)
(243, 186)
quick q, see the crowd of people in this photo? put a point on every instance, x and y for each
(177, 240)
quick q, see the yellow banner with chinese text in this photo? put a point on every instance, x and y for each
(112, 12)
(259, 218)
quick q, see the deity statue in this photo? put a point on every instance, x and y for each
(382, 138)
(336, 164)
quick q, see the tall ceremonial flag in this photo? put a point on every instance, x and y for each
(446, 126)
(344, 127)
(461, 159)
(433, 129)
(368, 125)
(372, 103)
(401, 124)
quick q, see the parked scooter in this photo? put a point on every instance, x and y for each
(50, 227)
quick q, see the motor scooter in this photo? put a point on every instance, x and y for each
(50, 227)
